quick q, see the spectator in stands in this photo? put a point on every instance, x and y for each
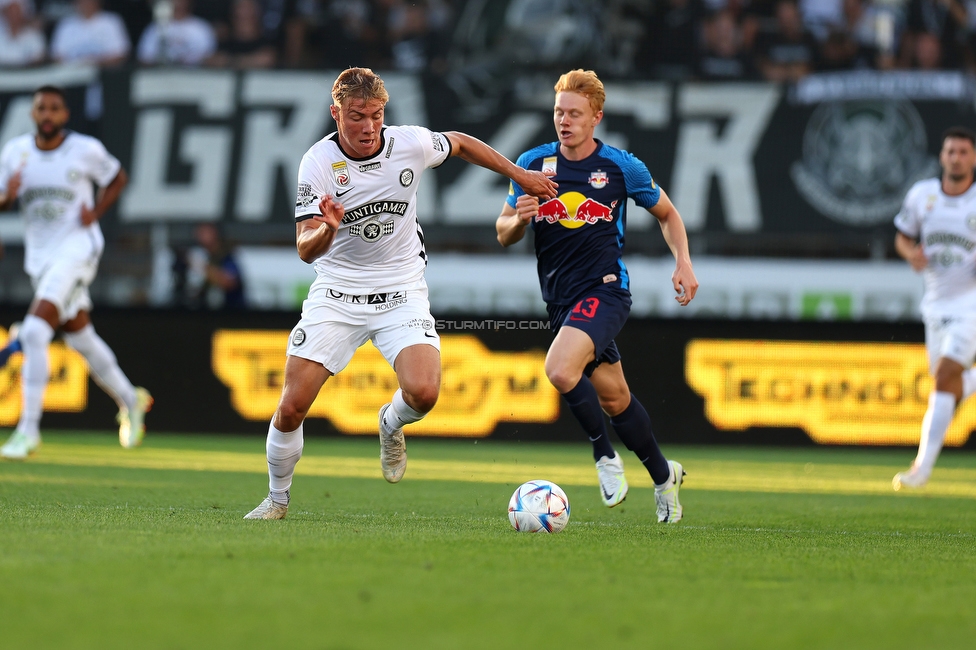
(180, 38)
(946, 21)
(417, 33)
(21, 43)
(670, 48)
(791, 52)
(246, 45)
(208, 275)
(822, 17)
(90, 35)
(722, 57)
(353, 35)
(758, 17)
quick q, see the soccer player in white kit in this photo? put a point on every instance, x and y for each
(356, 220)
(937, 236)
(52, 172)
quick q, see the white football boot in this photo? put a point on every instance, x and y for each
(19, 446)
(913, 478)
(666, 496)
(132, 424)
(393, 451)
(613, 484)
(268, 509)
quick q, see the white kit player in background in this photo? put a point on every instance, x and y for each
(356, 220)
(937, 236)
(52, 173)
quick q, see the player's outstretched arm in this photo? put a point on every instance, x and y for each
(314, 236)
(673, 229)
(106, 197)
(477, 152)
(911, 251)
(511, 223)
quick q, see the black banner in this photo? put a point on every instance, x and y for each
(703, 382)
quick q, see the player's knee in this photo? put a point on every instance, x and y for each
(35, 332)
(948, 377)
(563, 378)
(614, 404)
(423, 398)
(288, 417)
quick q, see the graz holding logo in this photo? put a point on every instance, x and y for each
(860, 158)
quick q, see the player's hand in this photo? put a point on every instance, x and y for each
(685, 283)
(332, 212)
(526, 208)
(13, 185)
(88, 217)
(537, 184)
(917, 259)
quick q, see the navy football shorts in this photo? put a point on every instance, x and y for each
(601, 313)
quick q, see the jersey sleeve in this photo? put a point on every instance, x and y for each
(103, 167)
(514, 189)
(907, 220)
(312, 186)
(436, 147)
(640, 186)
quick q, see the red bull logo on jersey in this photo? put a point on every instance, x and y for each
(572, 210)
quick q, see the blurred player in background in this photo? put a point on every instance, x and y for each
(356, 220)
(579, 240)
(937, 236)
(52, 172)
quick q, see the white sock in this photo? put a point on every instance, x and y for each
(934, 425)
(284, 450)
(103, 364)
(968, 383)
(35, 336)
(400, 413)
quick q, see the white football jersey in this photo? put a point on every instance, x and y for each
(54, 186)
(379, 245)
(946, 227)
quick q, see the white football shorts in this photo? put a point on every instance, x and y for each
(335, 324)
(953, 337)
(65, 284)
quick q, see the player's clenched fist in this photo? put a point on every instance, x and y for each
(526, 207)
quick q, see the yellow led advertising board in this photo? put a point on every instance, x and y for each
(838, 393)
(479, 387)
(67, 390)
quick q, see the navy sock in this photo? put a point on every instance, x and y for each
(585, 405)
(633, 426)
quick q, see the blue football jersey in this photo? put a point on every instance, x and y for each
(579, 235)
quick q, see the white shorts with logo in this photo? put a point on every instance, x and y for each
(65, 284)
(335, 324)
(953, 337)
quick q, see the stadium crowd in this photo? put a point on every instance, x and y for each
(778, 40)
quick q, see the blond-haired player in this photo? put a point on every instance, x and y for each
(356, 221)
(579, 240)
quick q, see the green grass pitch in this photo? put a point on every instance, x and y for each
(102, 547)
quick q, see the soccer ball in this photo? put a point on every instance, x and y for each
(539, 507)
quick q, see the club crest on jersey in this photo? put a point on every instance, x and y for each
(406, 177)
(74, 175)
(573, 210)
(599, 180)
(340, 173)
(372, 231)
(971, 222)
(549, 166)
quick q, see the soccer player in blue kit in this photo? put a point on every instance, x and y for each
(579, 240)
